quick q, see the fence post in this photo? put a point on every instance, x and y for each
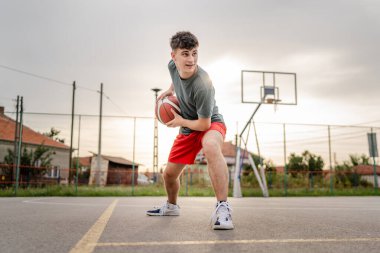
(186, 180)
(311, 176)
(133, 157)
(191, 175)
(330, 161)
(77, 174)
(373, 152)
(285, 166)
(270, 179)
(375, 174)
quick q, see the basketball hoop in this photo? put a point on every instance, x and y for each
(262, 87)
(273, 101)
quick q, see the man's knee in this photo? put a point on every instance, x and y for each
(172, 171)
(168, 176)
(211, 148)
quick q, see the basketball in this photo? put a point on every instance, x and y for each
(163, 106)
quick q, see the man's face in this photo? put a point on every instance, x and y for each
(186, 61)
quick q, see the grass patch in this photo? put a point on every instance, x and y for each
(316, 192)
(86, 191)
(193, 191)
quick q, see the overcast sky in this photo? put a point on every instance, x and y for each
(333, 46)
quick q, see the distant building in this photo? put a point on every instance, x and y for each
(31, 140)
(114, 170)
(229, 153)
(366, 173)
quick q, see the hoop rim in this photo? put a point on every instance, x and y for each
(272, 100)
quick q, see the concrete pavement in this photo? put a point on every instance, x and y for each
(108, 224)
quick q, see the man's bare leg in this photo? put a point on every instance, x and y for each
(217, 167)
(171, 179)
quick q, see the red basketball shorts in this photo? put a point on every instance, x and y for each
(186, 147)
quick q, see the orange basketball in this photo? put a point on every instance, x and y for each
(163, 106)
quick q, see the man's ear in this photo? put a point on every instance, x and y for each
(172, 54)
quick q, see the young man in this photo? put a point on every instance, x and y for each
(201, 126)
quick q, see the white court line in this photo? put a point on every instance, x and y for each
(32, 200)
(264, 241)
(88, 242)
(307, 208)
(37, 201)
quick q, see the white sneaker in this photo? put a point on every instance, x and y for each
(221, 217)
(166, 209)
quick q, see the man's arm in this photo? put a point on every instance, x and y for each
(201, 124)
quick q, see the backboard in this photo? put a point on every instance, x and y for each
(268, 87)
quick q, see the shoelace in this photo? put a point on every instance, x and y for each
(163, 207)
(223, 213)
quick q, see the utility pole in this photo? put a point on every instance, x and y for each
(19, 145)
(77, 163)
(97, 177)
(72, 132)
(155, 141)
(16, 140)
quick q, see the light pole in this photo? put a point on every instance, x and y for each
(155, 140)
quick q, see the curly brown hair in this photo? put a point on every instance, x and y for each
(182, 40)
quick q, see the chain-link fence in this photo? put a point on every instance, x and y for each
(127, 146)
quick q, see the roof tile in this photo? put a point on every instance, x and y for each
(7, 133)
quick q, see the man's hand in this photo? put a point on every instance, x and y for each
(177, 121)
(169, 92)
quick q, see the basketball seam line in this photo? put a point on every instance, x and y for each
(174, 105)
(158, 111)
(166, 100)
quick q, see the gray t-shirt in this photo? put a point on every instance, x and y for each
(196, 96)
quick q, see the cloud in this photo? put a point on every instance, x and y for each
(333, 49)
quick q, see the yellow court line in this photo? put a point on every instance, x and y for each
(167, 243)
(89, 240)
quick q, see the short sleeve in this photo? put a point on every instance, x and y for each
(205, 99)
(172, 68)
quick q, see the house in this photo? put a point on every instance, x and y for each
(280, 169)
(113, 170)
(84, 167)
(31, 140)
(229, 153)
(366, 172)
(198, 172)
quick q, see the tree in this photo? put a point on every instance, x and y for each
(359, 160)
(247, 168)
(345, 173)
(248, 174)
(340, 174)
(54, 135)
(296, 164)
(307, 162)
(34, 162)
(270, 169)
(315, 163)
